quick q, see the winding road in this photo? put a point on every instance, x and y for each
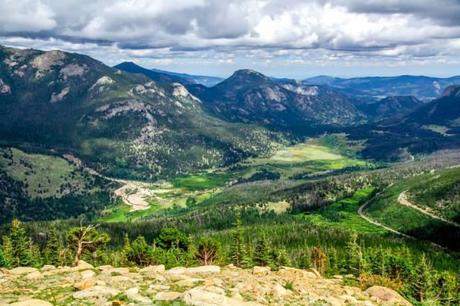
(362, 215)
(403, 200)
(133, 193)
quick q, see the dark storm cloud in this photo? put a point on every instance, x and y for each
(387, 28)
(445, 12)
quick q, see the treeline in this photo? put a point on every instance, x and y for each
(403, 269)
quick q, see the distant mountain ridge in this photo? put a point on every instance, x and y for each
(392, 106)
(168, 76)
(422, 87)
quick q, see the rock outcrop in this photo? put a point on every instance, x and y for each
(201, 286)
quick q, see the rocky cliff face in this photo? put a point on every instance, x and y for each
(206, 285)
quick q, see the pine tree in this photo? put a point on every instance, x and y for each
(448, 290)
(140, 253)
(246, 261)
(280, 258)
(318, 259)
(378, 262)
(7, 249)
(354, 255)
(305, 261)
(125, 251)
(36, 256)
(262, 256)
(3, 262)
(238, 250)
(422, 280)
(333, 266)
(20, 245)
(86, 238)
(53, 248)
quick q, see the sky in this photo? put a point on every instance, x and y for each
(282, 38)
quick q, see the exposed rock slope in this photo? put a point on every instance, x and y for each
(249, 96)
(200, 286)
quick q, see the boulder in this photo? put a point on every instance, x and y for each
(47, 268)
(387, 295)
(34, 275)
(22, 270)
(202, 297)
(176, 271)
(188, 282)
(203, 270)
(82, 265)
(134, 295)
(104, 267)
(32, 302)
(279, 291)
(116, 271)
(167, 296)
(261, 270)
(152, 269)
(96, 292)
(85, 284)
(293, 274)
(87, 274)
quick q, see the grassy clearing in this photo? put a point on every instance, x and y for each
(439, 192)
(121, 213)
(303, 152)
(202, 181)
(343, 214)
(437, 129)
(303, 159)
(43, 175)
(387, 210)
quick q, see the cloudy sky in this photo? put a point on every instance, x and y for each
(285, 38)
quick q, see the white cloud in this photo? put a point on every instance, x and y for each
(240, 31)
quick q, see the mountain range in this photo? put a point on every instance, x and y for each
(133, 122)
(422, 87)
(123, 124)
(168, 76)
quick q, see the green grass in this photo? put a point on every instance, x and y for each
(121, 213)
(202, 181)
(343, 214)
(437, 129)
(211, 188)
(387, 210)
(304, 159)
(439, 192)
(44, 175)
(303, 152)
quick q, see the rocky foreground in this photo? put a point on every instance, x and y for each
(201, 286)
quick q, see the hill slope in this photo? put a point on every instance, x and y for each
(123, 124)
(430, 127)
(45, 187)
(249, 96)
(390, 106)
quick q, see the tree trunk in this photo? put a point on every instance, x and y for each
(78, 253)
